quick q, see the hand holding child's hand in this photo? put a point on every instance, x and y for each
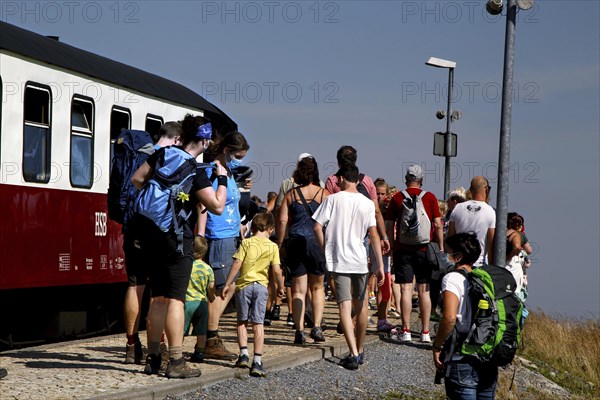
(226, 289)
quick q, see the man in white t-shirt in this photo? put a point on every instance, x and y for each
(347, 217)
(476, 216)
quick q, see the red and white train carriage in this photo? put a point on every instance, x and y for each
(61, 259)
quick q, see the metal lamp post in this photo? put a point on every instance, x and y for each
(450, 65)
(495, 7)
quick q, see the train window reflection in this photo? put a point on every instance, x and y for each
(120, 119)
(36, 133)
(82, 139)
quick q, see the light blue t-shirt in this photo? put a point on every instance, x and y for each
(226, 225)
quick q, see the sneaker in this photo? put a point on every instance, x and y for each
(134, 353)
(197, 357)
(216, 350)
(316, 334)
(300, 338)
(371, 323)
(153, 362)
(243, 361)
(384, 326)
(257, 370)
(181, 369)
(349, 362)
(392, 313)
(267, 320)
(406, 336)
(339, 328)
(425, 338)
(361, 358)
(275, 313)
(290, 320)
(415, 303)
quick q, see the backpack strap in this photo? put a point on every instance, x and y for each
(422, 194)
(405, 194)
(306, 206)
(360, 178)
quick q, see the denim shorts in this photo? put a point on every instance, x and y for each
(470, 381)
(251, 303)
(220, 258)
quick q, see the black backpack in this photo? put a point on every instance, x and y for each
(131, 149)
(361, 186)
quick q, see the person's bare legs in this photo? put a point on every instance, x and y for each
(132, 307)
(317, 290)
(299, 288)
(406, 302)
(424, 305)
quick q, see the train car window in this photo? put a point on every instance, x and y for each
(81, 166)
(120, 119)
(153, 124)
(36, 133)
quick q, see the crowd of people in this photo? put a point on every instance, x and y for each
(345, 235)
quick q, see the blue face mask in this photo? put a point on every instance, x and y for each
(234, 163)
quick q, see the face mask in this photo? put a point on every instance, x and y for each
(234, 163)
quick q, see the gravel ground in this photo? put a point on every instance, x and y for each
(404, 369)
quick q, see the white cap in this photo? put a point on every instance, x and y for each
(415, 170)
(303, 156)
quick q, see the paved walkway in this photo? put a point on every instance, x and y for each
(94, 369)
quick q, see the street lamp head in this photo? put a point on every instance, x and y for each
(494, 7)
(440, 63)
(525, 4)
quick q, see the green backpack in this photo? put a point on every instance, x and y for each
(495, 332)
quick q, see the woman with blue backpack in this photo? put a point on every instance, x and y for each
(171, 190)
(222, 231)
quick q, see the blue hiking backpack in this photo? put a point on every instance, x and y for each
(165, 199)
(131, 149)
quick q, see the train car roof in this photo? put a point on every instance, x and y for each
(51, 51)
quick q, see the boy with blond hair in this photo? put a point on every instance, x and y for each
(253, 260)
(200, 291)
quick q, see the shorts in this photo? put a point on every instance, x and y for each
(196, 315)
(220, 258)
(304, 256)
(136, 260)
(169, 271)
(346, 283)
(251, 303)
(408, 265)
(386, 261)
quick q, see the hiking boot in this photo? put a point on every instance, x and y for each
(180, 369)
(134, 354)
(349, 362)
(164, 353)
(425, 338)
(216, 350)
(275, 313)
(406, 336)
(316, 334)
(152, 364)
(384, 326)
(243, 361)
(300, 338)
(290, 320)
(257, 370)
(267, 320)
(197, 357)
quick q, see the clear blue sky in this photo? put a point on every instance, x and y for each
(307, 76)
